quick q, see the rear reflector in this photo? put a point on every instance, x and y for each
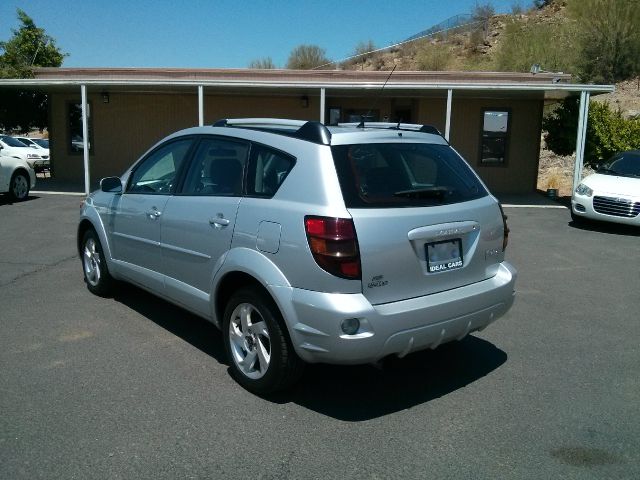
(334, 245)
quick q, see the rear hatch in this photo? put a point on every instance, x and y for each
(424, 222)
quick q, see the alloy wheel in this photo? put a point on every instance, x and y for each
(250, 341)
(91, 262)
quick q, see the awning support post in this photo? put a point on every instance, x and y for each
(322, 103)
(200, 105)
(447, 127)
(85, 139)
(583, 117)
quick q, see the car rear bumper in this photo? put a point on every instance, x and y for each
(314, 319)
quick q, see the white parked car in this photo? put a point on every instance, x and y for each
(11, 147)
(612, 193)
(16, 177)
(42, 147)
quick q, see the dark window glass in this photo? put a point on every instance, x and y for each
(495, 136)
(403, 175)
(217, 168)
(267, 170)
(74, 118)
(626, 164)
(12, 142)
(157, 173)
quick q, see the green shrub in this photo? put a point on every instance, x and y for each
(550, 45)
(607, 131)
(608, 38)
(433, 57)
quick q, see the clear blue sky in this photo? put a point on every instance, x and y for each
(224, 33)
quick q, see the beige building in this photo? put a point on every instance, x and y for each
(492, 119)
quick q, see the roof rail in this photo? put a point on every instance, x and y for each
(310, 131)
(411, 127)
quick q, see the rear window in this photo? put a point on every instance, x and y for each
(403, 175)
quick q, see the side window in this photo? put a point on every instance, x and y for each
(495, 136)
(267, 170)
(217, 168)
(157, 173)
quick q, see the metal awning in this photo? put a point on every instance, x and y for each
(549, 87)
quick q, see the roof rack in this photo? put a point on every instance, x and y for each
(310, 131)
(410, 127)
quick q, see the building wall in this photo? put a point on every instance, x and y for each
(130, 123)
(520, 173)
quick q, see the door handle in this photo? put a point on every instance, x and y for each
(219, 221)
(153, 214)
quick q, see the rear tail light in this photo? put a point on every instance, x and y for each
(505, 237)
(334, 245)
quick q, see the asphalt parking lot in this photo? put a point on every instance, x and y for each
(133, 387)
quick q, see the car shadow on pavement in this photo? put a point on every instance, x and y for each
(6, 200)
(365, 392)
(348, 393)
(606, 227)
(193, 329)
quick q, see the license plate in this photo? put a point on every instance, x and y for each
(443, 256)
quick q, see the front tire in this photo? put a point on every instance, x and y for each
(94, 266)
(577, 219)
(261, 357)
(19, 186)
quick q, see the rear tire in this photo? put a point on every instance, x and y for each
(261, 357)
(19, 186)
(94, 266)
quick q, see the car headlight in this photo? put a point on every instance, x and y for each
(582, 189)
(33, 155)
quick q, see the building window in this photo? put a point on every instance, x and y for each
(335, 115)
(495, 137)
(357, 115)
(74, 117)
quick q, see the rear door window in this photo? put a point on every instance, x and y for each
(217, 168)
(403, 175)
(267, 170)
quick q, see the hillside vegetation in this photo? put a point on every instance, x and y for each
(595, 40)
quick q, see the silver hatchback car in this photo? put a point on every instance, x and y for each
(305, 243)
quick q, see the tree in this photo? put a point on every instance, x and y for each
(608, 37)
(28, 47)
(265, 63)
(306, 57)
(483, 12)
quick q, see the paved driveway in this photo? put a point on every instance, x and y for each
(133, 387)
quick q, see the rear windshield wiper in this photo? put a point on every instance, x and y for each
(426, 192)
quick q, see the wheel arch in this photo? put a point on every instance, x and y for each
(88, 223)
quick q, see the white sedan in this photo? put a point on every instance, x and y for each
(612, 193)
(16, 177)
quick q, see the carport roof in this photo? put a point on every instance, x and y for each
(550, 86)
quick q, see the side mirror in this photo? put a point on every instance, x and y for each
(111, 185)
